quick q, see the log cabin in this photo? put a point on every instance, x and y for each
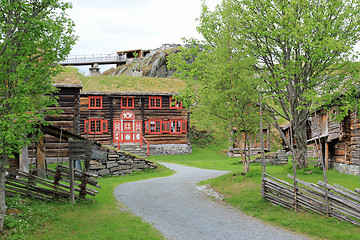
(332, 141)
(139, 115)
(68, 98)
(237, 146)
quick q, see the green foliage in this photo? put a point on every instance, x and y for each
(225, 87)
(85, 219)
(298, 46)
(34, 35)
(243, 192)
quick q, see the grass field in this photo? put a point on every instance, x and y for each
(99, 218)
(243, 192)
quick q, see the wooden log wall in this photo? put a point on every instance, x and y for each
(69, 119)
(104, 113)
(112, 109)
(165, 113)
(342, 203)
(352, 143)
(339, 142)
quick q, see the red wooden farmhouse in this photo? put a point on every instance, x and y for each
(136, 118)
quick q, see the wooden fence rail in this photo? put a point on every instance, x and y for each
(342, 204)
(45, 189)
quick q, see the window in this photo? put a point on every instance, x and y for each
(155, 102)
(175, 104)
(178, 126)
(159, 126)
(127, 102)
(95, 126)
(153, 126)
(95, 102)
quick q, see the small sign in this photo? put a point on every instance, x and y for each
(80, 149)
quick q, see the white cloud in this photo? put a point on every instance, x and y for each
(114, 25)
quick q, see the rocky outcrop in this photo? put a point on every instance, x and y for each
(152, 65)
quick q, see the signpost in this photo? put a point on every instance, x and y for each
(78, 150)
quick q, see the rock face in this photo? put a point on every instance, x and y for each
(110, 162)
(152, 65)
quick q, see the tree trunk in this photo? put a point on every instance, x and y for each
(301, 143)
(247, 153)
(3, 163)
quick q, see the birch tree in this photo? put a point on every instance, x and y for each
(34, 35)
(228, 90)
(298, 44)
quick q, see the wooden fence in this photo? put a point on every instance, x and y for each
(56, 189)
(331, 200)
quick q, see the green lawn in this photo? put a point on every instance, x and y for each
(243, 192)
(99, 218)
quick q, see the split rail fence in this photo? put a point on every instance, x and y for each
(325, 199)
(26, 184)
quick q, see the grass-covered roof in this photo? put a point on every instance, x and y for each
(118, 84)
(131, 84)
(68, 77)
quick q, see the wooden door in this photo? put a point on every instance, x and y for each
(127, 129)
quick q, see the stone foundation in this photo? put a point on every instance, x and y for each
(347, 168)
(170, 149)
(111, 162)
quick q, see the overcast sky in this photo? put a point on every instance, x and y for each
(108, 26)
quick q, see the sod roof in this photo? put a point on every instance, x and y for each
(67, 78)
(129, 84)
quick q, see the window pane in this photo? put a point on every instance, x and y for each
(152, 126)
(172, 126)
(124, 102)
(98, 102)
(92, 126)
(152, 102)
(130, 102)
(98, 126)
(178, 126)
(158, 126)
(158, 102)
(104, 127)
(92, 102)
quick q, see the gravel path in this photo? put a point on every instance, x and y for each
(180, 210)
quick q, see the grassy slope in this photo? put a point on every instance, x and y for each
(244, 193)
(97, 219)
